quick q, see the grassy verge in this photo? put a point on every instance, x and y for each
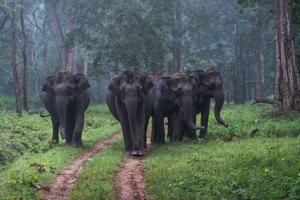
(244, 119)
(97, 179)
(259, 168)
(35, 160)
(266, 166)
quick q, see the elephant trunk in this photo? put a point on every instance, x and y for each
(61, 109)
(189, 113)
(132, 109)
(218, 107)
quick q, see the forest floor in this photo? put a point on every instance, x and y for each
(29, 160)
(130, 180)
(257, 157)
(61, 185)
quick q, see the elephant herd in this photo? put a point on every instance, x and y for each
(132, 99)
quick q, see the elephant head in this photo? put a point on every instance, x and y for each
(180, 88)
(131, 89)
(63, 89)
(210, 85)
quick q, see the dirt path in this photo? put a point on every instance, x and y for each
(61, 185)
(130, 181)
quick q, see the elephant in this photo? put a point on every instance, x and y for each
(66, 97)
(126, 100)
(171, 94)
(209, 85)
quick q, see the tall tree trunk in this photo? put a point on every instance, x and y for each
(25, 58)
(287, 89)
(58, 31)
(14, 55)
(71, 51)
(45, 44)
(85, 61)
(260, 71)
(177, 37)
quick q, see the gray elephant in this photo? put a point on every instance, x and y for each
(126, 100)
(209, 85)
(66, 97)
(172, 95)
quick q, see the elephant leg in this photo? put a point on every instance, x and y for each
(55, 128)
(170, 126)
(70, 129)
(204, 119)
(76, 123)
(137, 134)
(177, 130)
(190, 133)
(158, 131)
(123, 119)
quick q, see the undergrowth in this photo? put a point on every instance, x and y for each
(257, 157)
(28, 157)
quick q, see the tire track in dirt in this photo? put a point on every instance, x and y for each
(130, 181)
(62, 184)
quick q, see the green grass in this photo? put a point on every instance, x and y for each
(97, 179)
(266, 166)
(243, 119)
(259, 168)
(26, 141)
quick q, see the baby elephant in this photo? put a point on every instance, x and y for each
(66, 97)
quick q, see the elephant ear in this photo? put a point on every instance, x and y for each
(147, 83)
(197, 75)
(114, 84)
(48, 86)
(81, 81)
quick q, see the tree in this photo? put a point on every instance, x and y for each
(14, 54)
(58, 31)
(287, 88)
(25, 57)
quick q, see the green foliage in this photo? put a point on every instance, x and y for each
(247, 121)
(264, 165)
(257, 168)
(29, 158)
(97, 179)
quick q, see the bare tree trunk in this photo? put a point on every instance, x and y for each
(260, 71)
(25, 59)
(14, 55)
(58, 31)
(287, 89)
(85, 61)
(45, 45)
(177, 37)
(71, 50)
(244, 93)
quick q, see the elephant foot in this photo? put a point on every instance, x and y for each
(202, 135)
(138, 153)
(127, 153)
(55, 141)
(76, 143)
